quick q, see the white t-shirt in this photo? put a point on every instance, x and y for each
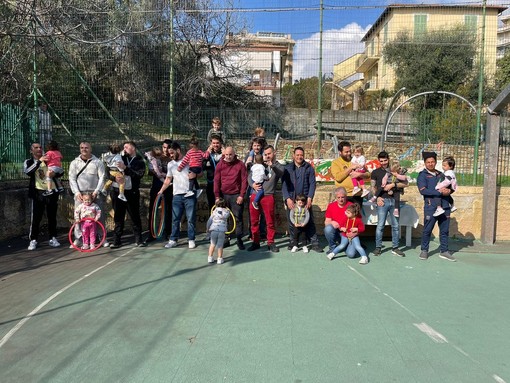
(359, 160)
(180, 179)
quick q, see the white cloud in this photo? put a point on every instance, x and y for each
(337, 45)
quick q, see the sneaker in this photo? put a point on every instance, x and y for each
(424, 255)
(220, 261)
(106, 244)
(305, 249)
(104, 192)
(356, 190)
(85, 247)
(363, 260)
(331, 256)
(171, 244)
(398, 252)
(377, 251)
(210, 260)
(454, 208)
(33, 244)
(373, 200)
(140, 244)
(294, 249)
(76, 243)
(365, 193)
(255, 205)
(446, 255)
(273, 249)
(199, 192)
(61, 190)
(438, 211)
(54, 243)
(192, 244)
(47, 193)
(396, 213)
(122, 197)
(254, 246)
(317, 249)
(191, 193)
(240, 244)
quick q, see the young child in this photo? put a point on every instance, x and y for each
(450, 181)
(111, 158)
(358, 162)
(396, 173)
(216, 130)
(259, 133)
(351, 223)
(258, 175)
(154, 158)
(88, 209)
(299, 217)
(217, 227)
(193, 158)
(54, 164)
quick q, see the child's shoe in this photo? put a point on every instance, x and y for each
(453, 209)
(438, 211)
(255, 205)
(85, 247)
(219, 261)
(331, 256)
(356, 190)
(61, 190)
(363, 260)
(210, 260)
(189, 194)
(365, 193)
(122, 197)
(47, 193)
(396, 213)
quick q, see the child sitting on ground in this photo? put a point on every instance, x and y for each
(258, 175)
(154, 158)
(394, 174)
(88, 209)
(299, 217)
(193, 158)
(55, 171)
(111, 159)
(217, 227)
(358, 160)
(351, 223)
(450, 181)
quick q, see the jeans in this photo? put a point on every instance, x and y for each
(383, 212)
(333, 237)
(354, 244)
(181, 205)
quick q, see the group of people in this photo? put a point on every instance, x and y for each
(232, 181)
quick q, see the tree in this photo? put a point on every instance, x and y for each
(436, 60)
(304, 94)
(503, 71)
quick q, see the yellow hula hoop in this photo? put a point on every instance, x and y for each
(233, 219)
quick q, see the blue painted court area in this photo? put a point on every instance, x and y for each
(157, 315)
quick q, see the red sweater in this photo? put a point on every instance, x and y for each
(349, 223)
(230, 178)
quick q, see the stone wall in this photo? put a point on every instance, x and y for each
(465, 224)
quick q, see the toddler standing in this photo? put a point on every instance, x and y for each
(450, 181)
(299, 217)
(88, 209)
(217, 227)
(54, 164)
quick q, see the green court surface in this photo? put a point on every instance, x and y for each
(157, 315)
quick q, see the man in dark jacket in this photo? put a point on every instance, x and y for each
(230, 183)
(299, 178)
(36, 169)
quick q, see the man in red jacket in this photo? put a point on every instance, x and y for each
(230, 183)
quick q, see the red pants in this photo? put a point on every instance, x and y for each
(267, 206)
(88, 230)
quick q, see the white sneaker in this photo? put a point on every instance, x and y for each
(192, 244)
(189, 194)
(220, 261)
(363, 260)
(356, 190)
(210, 260)
(54, 243)
(294, 249)
(438, 212)
(365, 193)
(199, 192)
(106, 244)
(331, 256)
(33, 244)
(76, 243)
(305, 249)
(122, 197)
(454, 208)
(85, 247)
(170, 244)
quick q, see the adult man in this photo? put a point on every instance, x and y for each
(299, 178)
(343, 171)
(230, 182)
(35, 167)
(45, 124)
(87, 175)
(209, 165)
(133, 167)
(180, 202)
(334, 213)
(427, 181)
(267, 203)
(156, 187)
(385, 205)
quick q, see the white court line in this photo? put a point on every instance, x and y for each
(431, 333)
(16, 328)
(498, 379)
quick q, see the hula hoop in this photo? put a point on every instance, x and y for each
(157, 228)
(71, 231)
(233, 219)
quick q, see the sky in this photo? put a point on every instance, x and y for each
(345, 22)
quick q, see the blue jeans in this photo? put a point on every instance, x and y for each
(181, 204)
(333, 237)
(382, 213)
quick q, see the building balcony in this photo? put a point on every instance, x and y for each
(365, 62)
